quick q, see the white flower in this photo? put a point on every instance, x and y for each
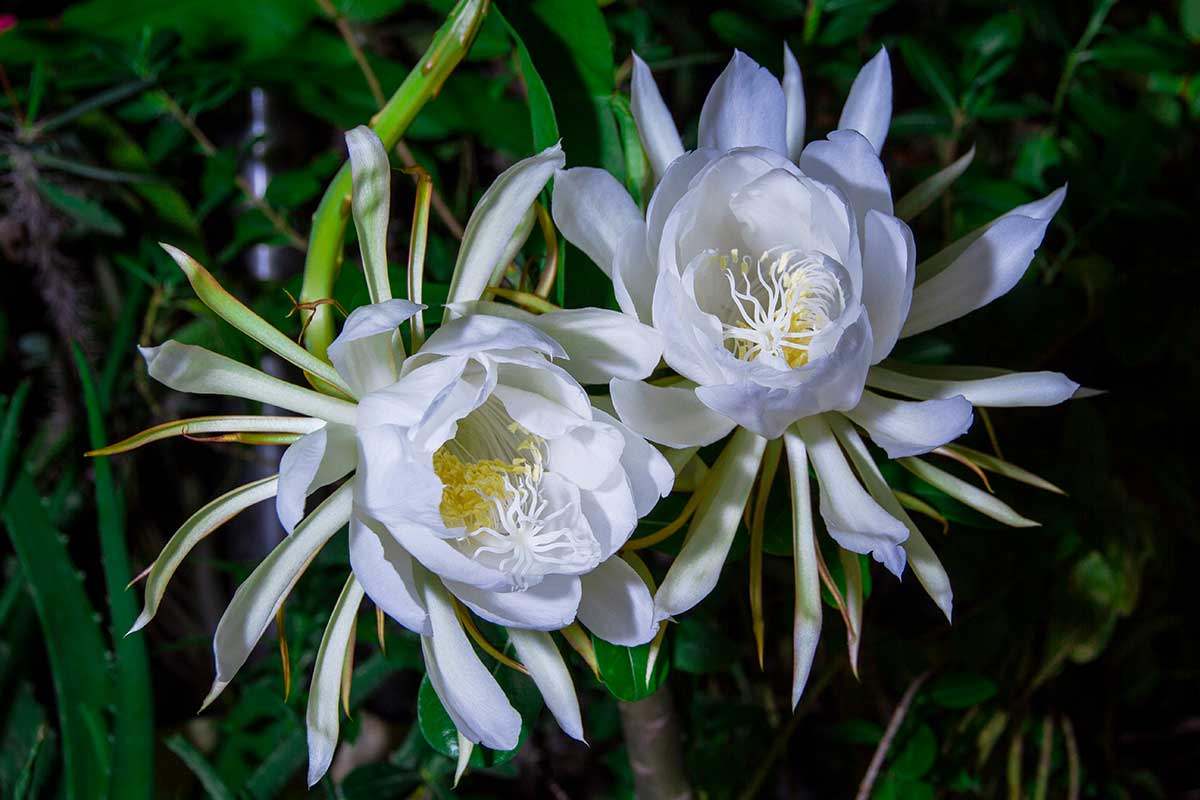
(780, 278)
(473, 471)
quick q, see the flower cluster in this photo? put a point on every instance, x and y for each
(761, 293)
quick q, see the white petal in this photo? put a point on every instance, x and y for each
(472, 697)
(650, 474)
(988, 268)
(610, 511)
(385, 570)
(472, 335)
(846, 161)
(417, 396)
(921, 558)
(537, 651)
(868, 108)
(322, 716)
(600, 344)
(793, 91)
(889, 268)
(256, 601)
(548, 606)
(670, 189)
(616, 604)
(368, 351)
(906, 428)
(655, 127)
(1005, 390)
(191, 533)
(587, 454)
(669, 415)
(744, 108)
(496, 218)
(634, 275)
(695, 570)
(187, 368)
(370, 200)
(855, 521)
(314, 460)
(806, 626)
(593, 210)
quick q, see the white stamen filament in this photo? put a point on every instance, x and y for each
(791, 300)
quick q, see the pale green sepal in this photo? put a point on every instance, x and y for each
(240, 316)
(806, 625)
(1001, 467)
(191, 533)
(465, 748)
(371, 177)
(321, 717)
(211, 426)
(965, 493)
(924, 193)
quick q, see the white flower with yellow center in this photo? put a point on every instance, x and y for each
(781, 278)
(474, 474)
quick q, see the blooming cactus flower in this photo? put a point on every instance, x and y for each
(474, 474)
(781, 278)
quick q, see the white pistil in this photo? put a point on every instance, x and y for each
(793, 297)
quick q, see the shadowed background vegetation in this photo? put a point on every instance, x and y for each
(1072, 665)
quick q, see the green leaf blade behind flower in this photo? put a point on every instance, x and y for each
(623, 669)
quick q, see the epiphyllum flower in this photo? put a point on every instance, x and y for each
(780, 278)
(474, 474)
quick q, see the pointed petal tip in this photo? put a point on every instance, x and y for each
(142, 621)
(213, 693)
(1084, 392)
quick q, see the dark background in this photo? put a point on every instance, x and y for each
(1072, 664)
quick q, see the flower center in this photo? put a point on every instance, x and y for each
(782, 301)
(512, 523)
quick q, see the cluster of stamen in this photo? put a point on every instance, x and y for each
(500, 505)
(782, 301)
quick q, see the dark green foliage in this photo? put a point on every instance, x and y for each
(1073, 655)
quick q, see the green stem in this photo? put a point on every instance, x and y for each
(327, 237)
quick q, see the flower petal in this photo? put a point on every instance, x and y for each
(199, 525)
(187, 368)
(987, 268)
(924, 562)
(314, 460)
(868, 108)
(547, 606)
(537, 651)
(610, 512)
(495, 219)
(846, 161)
(616, 604)
(669, 415)
(371, 178)
(906, 428)
(889, 268)
(695, 570)
(368, 351)
(385, 570)
(744, 108)
(855, 521)
(593, 211)
(650, 474)
(600, 344)
(472, 335)
(257, 600)
(670, 189)
(472, 697)
(999, 389)
(806, 626)
(634, 275)
(656, 129)
(793, 92)
(322, 716)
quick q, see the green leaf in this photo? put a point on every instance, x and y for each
(133, 730)
(208, 776)
(918, 755)
(1189, 19)
(72, 636)
(961, 690)
(85, 212)
(700, 647)
(930, 71)
(623, 669)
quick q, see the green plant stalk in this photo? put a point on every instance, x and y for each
(326, 239)
(133, 727)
